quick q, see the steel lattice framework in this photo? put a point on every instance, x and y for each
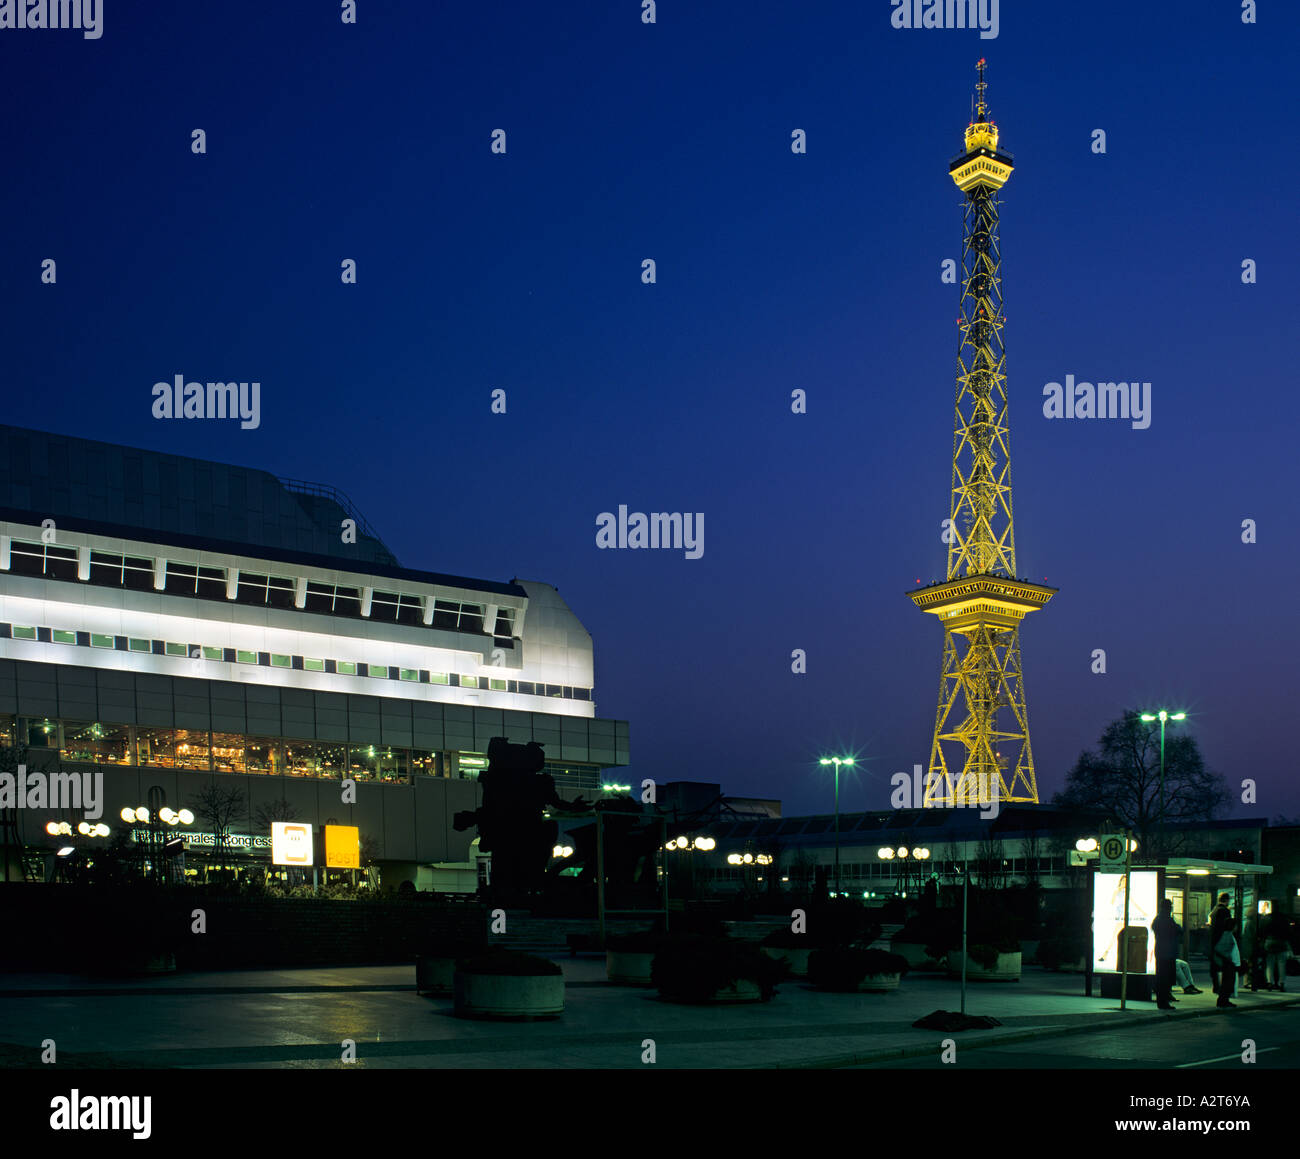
(981, 750)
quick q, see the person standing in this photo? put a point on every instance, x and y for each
(1277, 950)
(1223, 949)
(1168, 933)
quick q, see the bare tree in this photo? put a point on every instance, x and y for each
(1033, 848)
(1123, 779)
(990, 868)
(220, 806)
(272, 811)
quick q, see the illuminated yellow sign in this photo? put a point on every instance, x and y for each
(342, 847)
(291, 843)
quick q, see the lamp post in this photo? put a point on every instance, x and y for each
(837, 761)
(903, 854)
(1163, 716)
(154, 821)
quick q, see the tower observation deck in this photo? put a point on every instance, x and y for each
(981, 750)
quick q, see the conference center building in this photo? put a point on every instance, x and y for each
(175, 624)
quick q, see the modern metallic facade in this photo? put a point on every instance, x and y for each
(174, 623)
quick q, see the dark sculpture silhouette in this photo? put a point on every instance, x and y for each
(510, 822)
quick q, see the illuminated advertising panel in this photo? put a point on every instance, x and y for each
(342, 847)
(291, 843)
(1108, 918)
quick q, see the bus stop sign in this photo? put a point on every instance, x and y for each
(1111, 853)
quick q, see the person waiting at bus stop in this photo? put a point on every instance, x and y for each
(1168, 933)
(1224, 955)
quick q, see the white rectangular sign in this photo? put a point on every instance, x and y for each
(1108, 917)
(291, 843)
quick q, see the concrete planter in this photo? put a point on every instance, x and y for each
(916, 955)
(509, 996)
(434, 975)
(628, 968)
(795, 957)
(741, 990)
(879, 983)
(1006, 969)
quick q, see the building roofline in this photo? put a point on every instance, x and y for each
(258, 551)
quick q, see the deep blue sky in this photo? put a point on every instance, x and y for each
(775, 271)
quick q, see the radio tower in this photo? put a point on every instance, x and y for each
(981, 748)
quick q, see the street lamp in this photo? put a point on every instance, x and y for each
(154, 824)
(1163, 716)
(837, 761)
(903, 854)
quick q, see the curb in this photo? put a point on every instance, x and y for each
(857, 1058)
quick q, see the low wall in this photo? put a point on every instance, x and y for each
(101, 930)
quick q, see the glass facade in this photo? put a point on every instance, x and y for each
(103, 743)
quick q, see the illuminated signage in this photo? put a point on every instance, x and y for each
(209, 840)
(342, 847)
(291, 843)
(1108, 919)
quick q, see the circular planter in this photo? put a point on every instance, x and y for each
(628, 968)
(741, 990)
(795, 957)
(879, 983)
(509, 996)
(916, 955)
(1006, 969)
(434, 975)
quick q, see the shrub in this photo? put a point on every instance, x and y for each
(694, 969)
(938, 931)
(786, 939)
(510, 963)
(645, 941)
(844, 968)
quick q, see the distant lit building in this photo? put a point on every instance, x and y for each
(174, 623)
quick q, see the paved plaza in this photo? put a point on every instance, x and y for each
(301, 1018)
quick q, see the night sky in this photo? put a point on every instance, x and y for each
(775, 272)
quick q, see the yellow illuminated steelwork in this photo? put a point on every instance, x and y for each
(981, 730)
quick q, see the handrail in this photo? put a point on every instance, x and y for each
(327, 491)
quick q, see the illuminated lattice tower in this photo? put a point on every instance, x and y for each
(981, 732)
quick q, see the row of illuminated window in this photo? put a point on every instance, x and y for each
(864, 870)
(200, 652)
(101, 743)
(136, 573)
